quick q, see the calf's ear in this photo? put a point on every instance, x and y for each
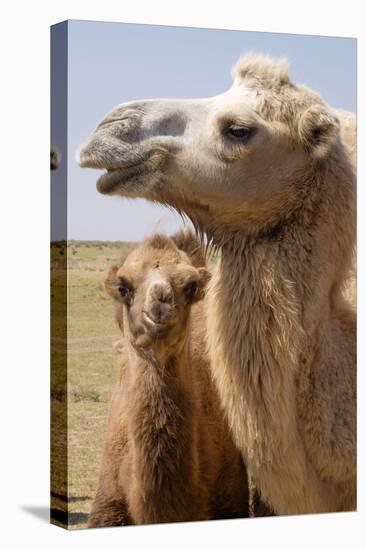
(185, 240)
(205, 276)
(110, 282)
(195, 287)
(318, 130)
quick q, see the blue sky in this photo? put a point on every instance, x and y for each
(110, 63)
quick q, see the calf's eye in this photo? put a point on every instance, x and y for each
(125, 290)
(191, 289)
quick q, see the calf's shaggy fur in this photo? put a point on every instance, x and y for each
(168, 452)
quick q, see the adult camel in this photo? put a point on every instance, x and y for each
(266, 172)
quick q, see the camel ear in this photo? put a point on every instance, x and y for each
(186, 241)
(110, 282)
(205, 276)
(318, 129)
(195, 287)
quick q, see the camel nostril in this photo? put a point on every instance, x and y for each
(165, 298)
(163, 294)
(161, 311)
(156, 313)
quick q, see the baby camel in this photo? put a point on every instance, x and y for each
(168, 455)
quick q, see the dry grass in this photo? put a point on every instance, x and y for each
(80, 400)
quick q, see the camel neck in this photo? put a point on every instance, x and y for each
(272, 301)
(306, 259)
(273, 294)
(163, 365)
(162, 426)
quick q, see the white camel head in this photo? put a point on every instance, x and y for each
(234, 158)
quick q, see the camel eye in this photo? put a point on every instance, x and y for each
(191, 289)
(125, 290)
(240, 134)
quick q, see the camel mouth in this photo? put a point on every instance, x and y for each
(119, 163)
(114, 178)
(159, 328)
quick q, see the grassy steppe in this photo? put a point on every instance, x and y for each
(80, 400)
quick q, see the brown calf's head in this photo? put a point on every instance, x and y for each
(155, 288)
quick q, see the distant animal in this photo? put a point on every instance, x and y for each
(54, 158)
(266, 171)
(168, 454)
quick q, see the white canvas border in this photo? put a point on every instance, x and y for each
(25, 280)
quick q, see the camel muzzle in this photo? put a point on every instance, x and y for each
(159, 309)
(131, 131)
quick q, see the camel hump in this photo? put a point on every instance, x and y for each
(263, 68)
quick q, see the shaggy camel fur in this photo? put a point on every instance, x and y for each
(266, 171)
(168, 452)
